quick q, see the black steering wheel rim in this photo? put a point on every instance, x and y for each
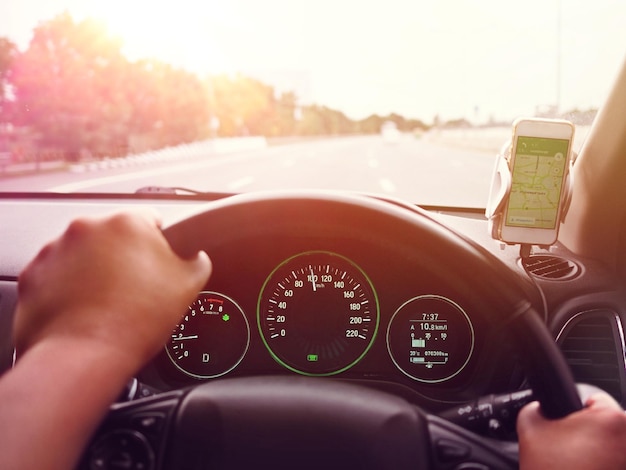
(324, 213)
(321, 212)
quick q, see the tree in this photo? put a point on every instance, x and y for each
(286, 115)
(69, 86)
(75, 91)
(168, 105)
(244, 105)
(8, 53)
(371, 124)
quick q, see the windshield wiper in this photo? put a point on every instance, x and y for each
(169, 190)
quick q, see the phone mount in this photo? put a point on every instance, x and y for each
(501, 190)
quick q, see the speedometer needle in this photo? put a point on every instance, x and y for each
(312, 278)
(181, 338)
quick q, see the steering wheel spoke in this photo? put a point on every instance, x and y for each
(133, 436)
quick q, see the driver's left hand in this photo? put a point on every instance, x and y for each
(114, 283)
(93, 307)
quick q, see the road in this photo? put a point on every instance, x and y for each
(417, 170)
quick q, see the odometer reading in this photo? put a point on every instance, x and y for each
(318, 313)
(430, 338)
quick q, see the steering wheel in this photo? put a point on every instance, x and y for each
(245, 422)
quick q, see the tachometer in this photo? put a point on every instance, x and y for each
(211, 339)
(318, 313)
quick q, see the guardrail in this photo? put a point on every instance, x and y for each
(179, 152)
(5, 160)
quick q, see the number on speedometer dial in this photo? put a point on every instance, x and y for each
(318, 313)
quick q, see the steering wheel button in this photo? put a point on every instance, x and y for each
(472, 466)
(449, 451)
(121, 450)
(149, 423)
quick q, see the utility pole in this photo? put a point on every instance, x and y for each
(558, 58)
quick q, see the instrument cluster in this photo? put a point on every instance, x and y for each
(320, 313)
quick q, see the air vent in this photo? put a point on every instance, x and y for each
(550, 267)
(593, 347)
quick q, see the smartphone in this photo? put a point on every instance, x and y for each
(539, 163)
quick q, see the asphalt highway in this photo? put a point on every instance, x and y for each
(418, 170)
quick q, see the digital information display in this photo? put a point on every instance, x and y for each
(430, 338)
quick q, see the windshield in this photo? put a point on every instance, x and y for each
(403, 98)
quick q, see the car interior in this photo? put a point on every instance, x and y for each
(353, 330)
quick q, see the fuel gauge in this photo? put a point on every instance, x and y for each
(211, 339)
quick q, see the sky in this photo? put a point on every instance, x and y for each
(448, 58)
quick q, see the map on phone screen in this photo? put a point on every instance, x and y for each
(538, 171)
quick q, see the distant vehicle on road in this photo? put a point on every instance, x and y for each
(389, 132)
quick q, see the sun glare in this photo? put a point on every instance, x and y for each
(182, 33)
(409, 57)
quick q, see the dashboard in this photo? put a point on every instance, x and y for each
(307, 295)
(333, 307)
(328, 316)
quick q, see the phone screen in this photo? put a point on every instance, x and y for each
(537, 177)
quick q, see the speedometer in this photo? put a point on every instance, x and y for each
(318, 313)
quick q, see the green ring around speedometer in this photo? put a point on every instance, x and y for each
(318, 313)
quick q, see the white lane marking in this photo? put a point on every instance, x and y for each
(240, 183)
(372, 163)
(387, 185)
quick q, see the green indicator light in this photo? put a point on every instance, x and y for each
(226, 317)
(312, 358)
